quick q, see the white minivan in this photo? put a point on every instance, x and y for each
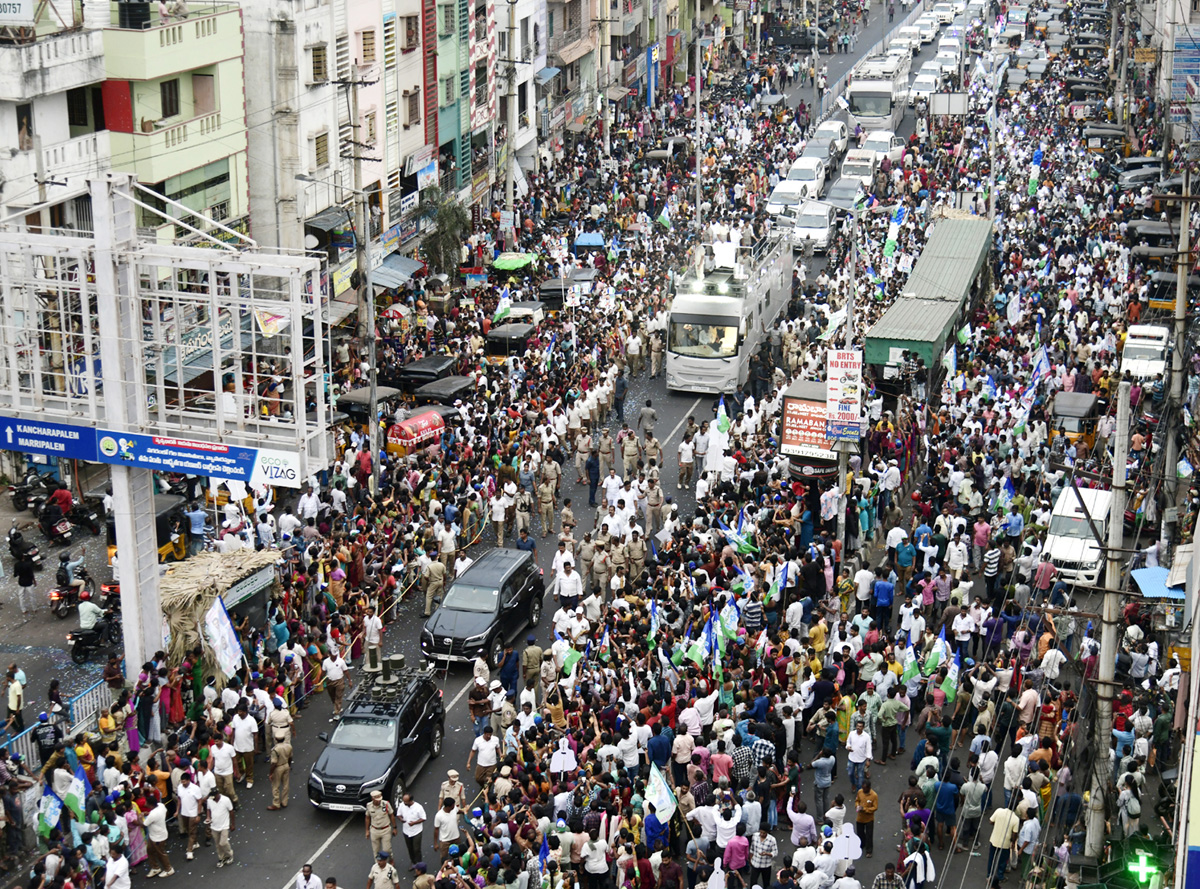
(1069, 541)
(788, 193)
(1145, 352)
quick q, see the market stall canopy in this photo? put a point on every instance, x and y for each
(396, 271)
(510, 261)
(1152, 583)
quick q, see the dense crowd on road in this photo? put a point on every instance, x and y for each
(724, 684)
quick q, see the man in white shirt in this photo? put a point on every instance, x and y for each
(486, 750)
(245, 728)
(221, 820)
(335, 668)
(373, 635)
(412, 817)
(156, 838)
(561, 558)
(188, 798)
(570, 586)
(309, 505)
(221, 756)
(306, 879)
(858, 742)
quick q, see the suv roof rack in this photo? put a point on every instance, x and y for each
(390, 685)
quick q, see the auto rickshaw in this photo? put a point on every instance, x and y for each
(505, 341)
(1074, 416)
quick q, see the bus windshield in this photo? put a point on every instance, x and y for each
(870, 104)
(703, 340)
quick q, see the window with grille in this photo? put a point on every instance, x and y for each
(412, 113)
(320, 69)
(370, 126)
(412, 32)
(345, 137)
(448, 91)
(481, 85)
(220, 211)
(389, 42)
(168, 92)
(343, 57)
(367, 47)
(321, 149)
(447, 25)
(393, 120)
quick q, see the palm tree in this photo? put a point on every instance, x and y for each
(443, 242)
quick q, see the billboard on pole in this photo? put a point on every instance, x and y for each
(802, 433)
(843, 394)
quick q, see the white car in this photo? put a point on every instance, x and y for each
(911, 45)
(922, 88)
(944, 12)
(931, 67)
(785, 194)
(810, 173)
(814, 222)
(834, 131)
(928, 26)
(948, 61)
(885, 143)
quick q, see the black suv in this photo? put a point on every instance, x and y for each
(392, 723)
(488, 605)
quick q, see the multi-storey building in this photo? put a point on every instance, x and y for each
(88, 88)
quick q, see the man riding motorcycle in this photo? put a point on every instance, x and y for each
(66, 569)
(91, 615)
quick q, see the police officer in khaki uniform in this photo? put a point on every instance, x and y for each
(587, 552)
(524, 511)
(583, 447)
(618, 556)
(631, 449)
(545, 500)
(531, 659)
(636, 550)
(280, 724)
(566, 519)
(280, 774)
(552, 473)
(657, 347)
(601, 566)
(654, 507)
(606, 452)
(380, 823)
(454, 789)
(434, 580)
(653, 448)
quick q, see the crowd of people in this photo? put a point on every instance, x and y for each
(729, 685)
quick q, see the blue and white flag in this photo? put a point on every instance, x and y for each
(1007, 493)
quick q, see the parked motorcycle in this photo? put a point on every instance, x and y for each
(19, 546)
(64, 597)
(83, 514)
(33, 484)
(100, 639)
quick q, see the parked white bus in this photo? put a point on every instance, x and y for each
(878, 93)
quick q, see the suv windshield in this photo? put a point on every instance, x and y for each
(1071, 527)
(802, 174)
(464, 597)
(1142, 353)
(812, 220)
(365, 734)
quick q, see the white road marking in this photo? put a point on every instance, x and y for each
(321, 851)
(682, 420)
(458, 697)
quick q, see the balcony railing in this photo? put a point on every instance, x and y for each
(178, 134)
(565, 38)
(480, 27)
(131, 15)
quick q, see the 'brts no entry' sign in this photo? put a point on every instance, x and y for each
(251, 466)
(843, 394)
(803, 431)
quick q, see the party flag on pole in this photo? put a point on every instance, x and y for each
(936, 655)
(950, 683)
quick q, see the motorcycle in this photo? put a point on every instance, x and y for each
(64, 597)
(85, 643)
(18, 546)
(33, 485)
(84, 514)
(56, 526)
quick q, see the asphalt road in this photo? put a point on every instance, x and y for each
(270, 847)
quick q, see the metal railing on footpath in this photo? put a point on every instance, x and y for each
(81, 715)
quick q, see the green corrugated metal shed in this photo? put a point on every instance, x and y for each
(936, 293)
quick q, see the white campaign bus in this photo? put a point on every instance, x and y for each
(878, 93)
(718, 315)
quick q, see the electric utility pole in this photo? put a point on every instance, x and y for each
(1110, 631)
(510, 123)
(366, 293)
(1182, 263)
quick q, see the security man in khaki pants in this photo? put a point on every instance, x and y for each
(380, 823)
(434, 579)
(280, 775)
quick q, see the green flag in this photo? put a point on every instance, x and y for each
(571, 658)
